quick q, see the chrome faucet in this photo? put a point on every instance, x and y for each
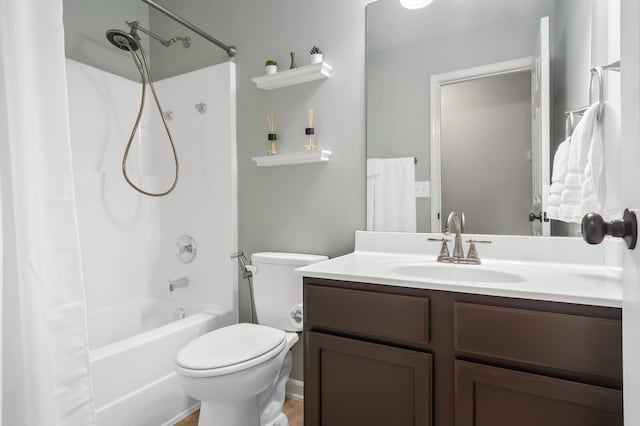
(179, 283)
(456, 222)
(454, 219)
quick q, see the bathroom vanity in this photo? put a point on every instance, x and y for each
(542, 347)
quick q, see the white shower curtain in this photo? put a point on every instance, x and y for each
(45, 357)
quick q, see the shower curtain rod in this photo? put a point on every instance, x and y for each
(231, 51)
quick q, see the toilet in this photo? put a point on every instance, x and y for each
(239, 372)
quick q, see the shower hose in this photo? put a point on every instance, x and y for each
(143, 68)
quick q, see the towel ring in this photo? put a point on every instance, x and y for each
(570, 121)
(568, 124)
(597, 71)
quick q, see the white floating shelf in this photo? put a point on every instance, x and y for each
(318, 156)
(298, 75)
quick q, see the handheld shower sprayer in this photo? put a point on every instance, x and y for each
(247, 269)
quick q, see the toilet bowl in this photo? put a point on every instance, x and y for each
(239, 372)
(234, 372)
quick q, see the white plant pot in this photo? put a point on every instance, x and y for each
(316, 58)
(271, 69)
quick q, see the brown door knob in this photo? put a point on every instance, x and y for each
(595, 228)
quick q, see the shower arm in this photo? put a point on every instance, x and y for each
(135, 27)
(231, 51)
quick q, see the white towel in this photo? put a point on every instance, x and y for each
(559, 172)
(391, 194)
(579, 148)
(593, 191)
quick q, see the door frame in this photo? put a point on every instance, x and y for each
(436, 83)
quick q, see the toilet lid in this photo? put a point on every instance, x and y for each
(228, 346)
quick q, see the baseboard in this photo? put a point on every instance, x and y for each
(192, 409)
(295, 389)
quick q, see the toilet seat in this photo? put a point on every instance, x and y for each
(230, 349)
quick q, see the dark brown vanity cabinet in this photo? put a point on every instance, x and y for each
(383, 355)
(358, 370)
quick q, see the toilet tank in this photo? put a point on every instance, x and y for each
(277, 289)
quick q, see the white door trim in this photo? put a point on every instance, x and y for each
(630, 152)
(439, 80)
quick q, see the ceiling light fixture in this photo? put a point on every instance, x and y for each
(415, 4)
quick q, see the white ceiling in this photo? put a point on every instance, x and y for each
(390, 24)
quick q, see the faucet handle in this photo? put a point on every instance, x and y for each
(473, 252)
(444, 249)
(472, 241)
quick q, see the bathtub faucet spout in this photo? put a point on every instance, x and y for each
(180, 282)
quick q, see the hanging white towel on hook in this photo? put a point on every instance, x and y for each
(559, 173)
(391, 194)
(571, 198)
(592, 194)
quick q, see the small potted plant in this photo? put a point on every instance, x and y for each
(316, 55)
(270, 66)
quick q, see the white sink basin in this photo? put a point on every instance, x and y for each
(456, 273)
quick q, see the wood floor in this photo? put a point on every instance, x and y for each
(293, 408)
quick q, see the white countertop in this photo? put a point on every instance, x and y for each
(588, 284)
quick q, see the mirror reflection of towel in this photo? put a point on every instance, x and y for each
(559, 172)
(579, 159)
(391, 195)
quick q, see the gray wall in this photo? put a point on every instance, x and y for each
(85, 23)
(312, 208)
(485, 138)
(398, 85)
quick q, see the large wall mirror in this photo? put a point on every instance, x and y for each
(476, 92)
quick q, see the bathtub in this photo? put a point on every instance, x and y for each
(133, 347)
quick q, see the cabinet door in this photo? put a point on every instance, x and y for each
(350, 383)
(490, 396)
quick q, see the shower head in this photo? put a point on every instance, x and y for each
(122, 40)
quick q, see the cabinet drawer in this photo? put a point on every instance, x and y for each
(500, 397)
(389, 317)
(575, 343)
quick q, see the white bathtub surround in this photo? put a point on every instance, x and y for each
(129, 240)
(556, 269)
(45, 351)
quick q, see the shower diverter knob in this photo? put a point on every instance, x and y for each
(186, 249)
